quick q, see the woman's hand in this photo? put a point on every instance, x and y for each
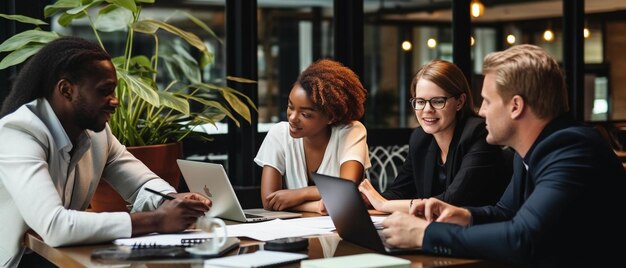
(373, 197)
(284, 199)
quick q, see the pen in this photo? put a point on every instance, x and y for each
(160, 194)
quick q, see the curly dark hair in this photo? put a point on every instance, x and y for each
(64, 58)
(335, 90)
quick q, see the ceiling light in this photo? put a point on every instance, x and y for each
(431, 43)
(586, 32)
(472, 41)
(510, 39)
(476, 8)
(548, 35)
(406, 46)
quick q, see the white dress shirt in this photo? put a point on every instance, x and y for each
(45, 189)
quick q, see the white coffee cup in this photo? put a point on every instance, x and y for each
(214, 243)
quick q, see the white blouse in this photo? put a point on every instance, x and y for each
(286, 154)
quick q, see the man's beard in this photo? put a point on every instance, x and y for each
(87, 117)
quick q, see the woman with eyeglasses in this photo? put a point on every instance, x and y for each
(448, 158)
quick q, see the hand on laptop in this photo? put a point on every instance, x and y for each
(402, 230)
(178, 214)
(195, 196)
(433, 209)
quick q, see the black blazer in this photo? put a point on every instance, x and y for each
(477, 173)
(558, 213)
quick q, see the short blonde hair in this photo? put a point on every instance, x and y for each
(530, 72)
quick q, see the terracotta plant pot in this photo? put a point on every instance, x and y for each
(161, 159)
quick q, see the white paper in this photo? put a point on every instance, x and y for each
(270, 230)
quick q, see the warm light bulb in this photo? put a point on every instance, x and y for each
(510, 39)
(548, 35)
(476, 8)
(431, 43)
(472, 41)
(406, 46)
(586, 32)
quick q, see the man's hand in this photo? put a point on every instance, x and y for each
(194, 196)
(403, 230)
(284, 199)
(178, 214)
(433, 209)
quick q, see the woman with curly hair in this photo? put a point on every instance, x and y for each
(322, 135)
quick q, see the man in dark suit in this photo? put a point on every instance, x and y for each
(567, 183)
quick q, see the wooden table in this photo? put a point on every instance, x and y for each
(319, 247)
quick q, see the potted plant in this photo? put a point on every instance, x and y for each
(155, 89)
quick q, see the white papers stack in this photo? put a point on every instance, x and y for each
(275, 229)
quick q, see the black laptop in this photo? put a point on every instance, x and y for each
(349, 214)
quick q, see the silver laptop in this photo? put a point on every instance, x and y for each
(349, 214)
(210, 180)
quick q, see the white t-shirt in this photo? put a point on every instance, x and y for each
(286, 154)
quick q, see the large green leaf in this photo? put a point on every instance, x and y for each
(229, 90)
(151, 26)
(20, 55)
(231, 96)
(140, 86)
(175, 102)
(66, 18)
(24, 19)
(145, 1)
(127, 4)
(111, 19)
(60, 5)
(82, 8)
(26, 37)
(217, 105)
(203, 26)
(179, 63)
(237, 105)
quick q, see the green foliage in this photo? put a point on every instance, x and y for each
(147, 114)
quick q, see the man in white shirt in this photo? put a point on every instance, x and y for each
(56, 146)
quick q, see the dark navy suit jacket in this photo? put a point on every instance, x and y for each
(559, 212)
(477, 173)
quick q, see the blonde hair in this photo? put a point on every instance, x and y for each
(530, 72)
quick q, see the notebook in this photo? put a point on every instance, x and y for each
(210, 180)
(160, 246)
(349, 214)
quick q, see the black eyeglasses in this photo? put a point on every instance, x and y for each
(435, 102)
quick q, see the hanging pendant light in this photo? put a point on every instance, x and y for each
(477, 8)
